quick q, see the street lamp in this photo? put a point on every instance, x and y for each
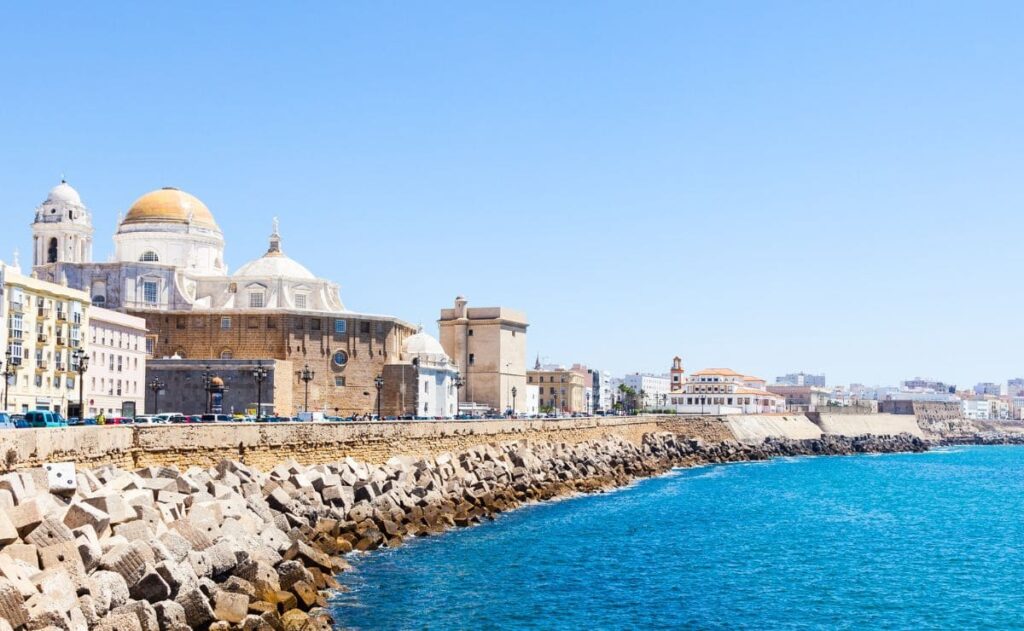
(156, 386)
(260, 375)
(207, 383)
(9, 371)
(306, 376)
(82, 362)
(458, 382)
(514, 391)
(378, 383)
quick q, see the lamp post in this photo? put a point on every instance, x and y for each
(207, 381)
(514, 391)
(260, 375)
(458, 382)
(82, 362)
(156, 386)
(9, 371)
(306, 376)
(378, 383)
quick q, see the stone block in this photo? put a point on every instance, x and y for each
(82, 513)
(24, 552)
(57, 584)
(143, 612)
(126, 561)
(89, 551)
(196, 537)
(178, 546)
(117, 510)
(230, 607)
(65, 556)
(275, 538)
(49, 532)
(178, 576)
(222, 557)
(135, 530)
(60, 478)
(308, 555)
(19, 574)
(27, 515)
(171, 616)
(198, 612)
(151, 587)
(12, 604)
(45, 611)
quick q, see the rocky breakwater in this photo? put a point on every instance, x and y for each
(231, 547)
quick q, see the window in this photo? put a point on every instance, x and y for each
(339, 381)
(380, 328)
(340, 358)
(253, 322)
(149, 256)
(271, 323)
(225, 323)
(149, 292)
(226, 354)
(300, 301)
(256, 299)
(181, 323)
(150, 344)
(472, 359)
(314, 324)
(297, 323)
(364, 327)
(470, 333)
(340, 326)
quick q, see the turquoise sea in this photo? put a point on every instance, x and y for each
(933, 540)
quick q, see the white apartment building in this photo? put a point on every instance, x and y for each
(976, 409)
(44, 326)
(654, 389)
(116, 375)
(601, 392)
(719, 391)
(532, 402)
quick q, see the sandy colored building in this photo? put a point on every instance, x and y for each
(45, 324)
(489, 346)
(559, 389)
(719, 391)
(116, 375)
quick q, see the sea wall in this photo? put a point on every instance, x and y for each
(266, 445)
(755, 428)
(861, 424)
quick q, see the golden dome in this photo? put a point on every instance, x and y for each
(169, 205)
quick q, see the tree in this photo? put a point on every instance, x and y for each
(628, 398)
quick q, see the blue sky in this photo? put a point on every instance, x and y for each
(770, 186)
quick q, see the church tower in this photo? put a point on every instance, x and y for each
(677, 374)
(62, 230)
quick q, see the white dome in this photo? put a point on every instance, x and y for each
(423, 344)
(64, 193)
(275, 266)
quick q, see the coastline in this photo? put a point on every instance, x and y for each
(232, 547)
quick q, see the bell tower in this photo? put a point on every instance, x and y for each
(62, 230)
(677, 374)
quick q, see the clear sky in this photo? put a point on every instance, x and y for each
(769, 186)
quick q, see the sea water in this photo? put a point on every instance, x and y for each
(933, 540)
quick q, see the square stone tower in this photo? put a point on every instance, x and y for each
(489, 345)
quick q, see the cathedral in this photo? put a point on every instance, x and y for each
(168, 268)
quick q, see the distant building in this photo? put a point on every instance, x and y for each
(602, 395)
(222, 386)
(560, 389)
(988, 387)
(927, 385)
(532, 403)
(425, 378)
(976, 409)
(489, 345)
(1015, 387)
(653, 390)
(116, 378)
(720, 391)
(45, 325)
(801, 379)
(801, 398)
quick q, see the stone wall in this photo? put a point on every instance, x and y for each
(266, 445)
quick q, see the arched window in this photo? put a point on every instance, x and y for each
(149, 256)
(51, 252)
(227, 354)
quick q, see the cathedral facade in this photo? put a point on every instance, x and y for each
(168, 268)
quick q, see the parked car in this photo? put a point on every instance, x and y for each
(146, 419)
(216, 418)
(45, 418)
(6, 422)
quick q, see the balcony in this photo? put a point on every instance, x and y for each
(42, 364)
(62, 341)
(42, 337)
(18, 307)
(62, 316)
(42, 312)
